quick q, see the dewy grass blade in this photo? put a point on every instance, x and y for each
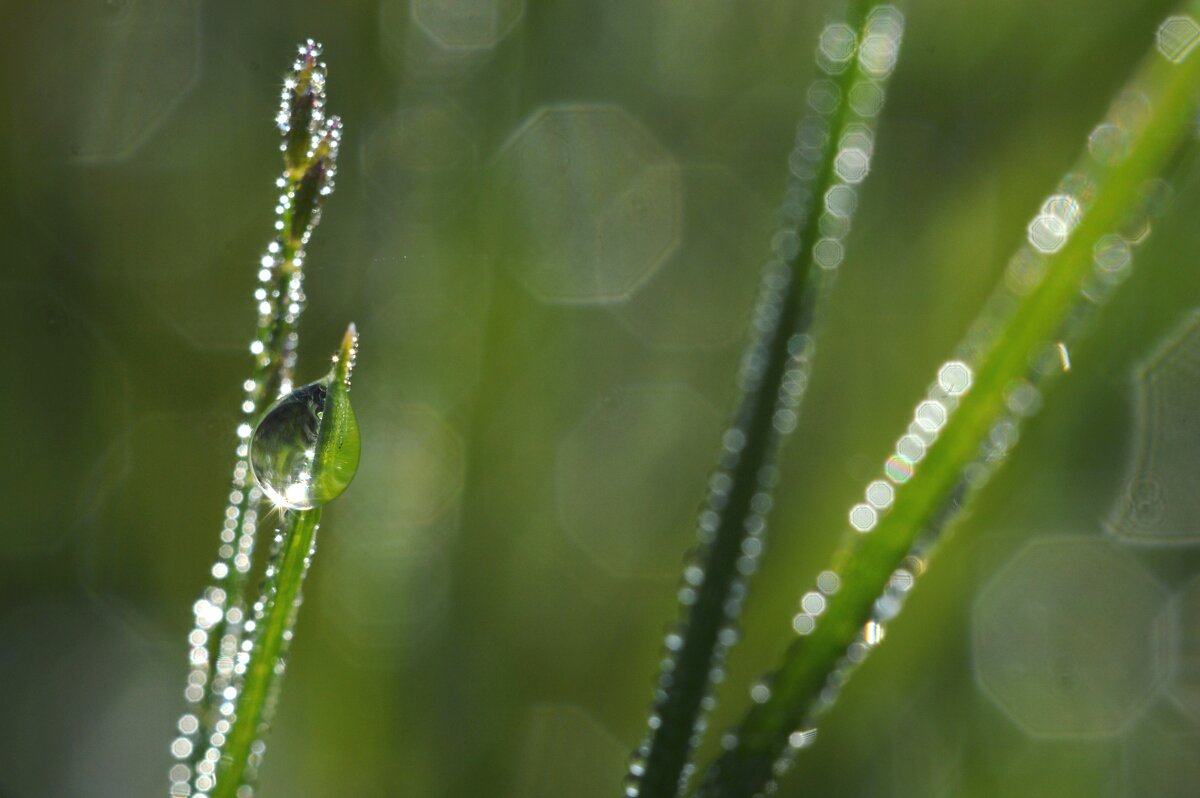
(834, 143)
(1078, 248)
(277, 608)
(217, 657)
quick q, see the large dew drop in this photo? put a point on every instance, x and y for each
(283, 450)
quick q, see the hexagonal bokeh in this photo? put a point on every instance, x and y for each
(568, 752)
(590, 203)
(627, 476)
(125, 67)
(1065, 638)
(467, 24)
(1159, 501)
(702, 294)
(1183, 684)
(68, 454)
(417, 160)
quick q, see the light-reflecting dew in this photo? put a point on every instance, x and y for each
(283, 451)
(1177, 37)
(1051, 228)
(863, 67)
(217, 651)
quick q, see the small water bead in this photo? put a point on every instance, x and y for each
(1112, 255)
(283, 450)
(880, 494)
(911, 448)
(824, 96)
(836, 47)
(834, 227)
(760, 693)
(852, 164)
(1109, 144)
(863, 517)
(898, 469)
(955, 377)
(813, 603)
(1023, 399)
(866, 99)
(841, 201)
(828, 582)
(1177, 37)
(828, 253)
(931, 414)
(879, 52)
(802, 738)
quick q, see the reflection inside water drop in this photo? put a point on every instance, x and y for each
(283, 450)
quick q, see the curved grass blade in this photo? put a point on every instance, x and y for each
(216, 655)
(834, 143)
(1078, 250)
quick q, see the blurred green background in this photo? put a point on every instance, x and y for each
(548, 225)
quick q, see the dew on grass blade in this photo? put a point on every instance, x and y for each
(283, 450)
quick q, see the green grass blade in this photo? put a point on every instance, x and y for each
(969, 420)
(335, 458)
(832, 156)
(274, 621)
(310, 146)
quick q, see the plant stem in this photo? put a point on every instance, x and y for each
(774, 375)
(310, 144)
(279, 607)
(1039, 313)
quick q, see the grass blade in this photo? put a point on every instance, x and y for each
(970, 419)
(217, 656)
(832, 157)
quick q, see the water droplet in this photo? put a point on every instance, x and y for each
(283, 450)
(1176, 38)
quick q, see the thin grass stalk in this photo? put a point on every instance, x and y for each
(1078, 251)
(834, 143)
(216, 655)
(276, 617)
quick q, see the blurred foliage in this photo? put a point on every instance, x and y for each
(486, 610)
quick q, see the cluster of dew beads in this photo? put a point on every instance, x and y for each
(833, 147)
(310, 146)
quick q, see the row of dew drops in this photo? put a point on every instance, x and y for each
(221, 641)
(1049, 230)
(837, 53)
